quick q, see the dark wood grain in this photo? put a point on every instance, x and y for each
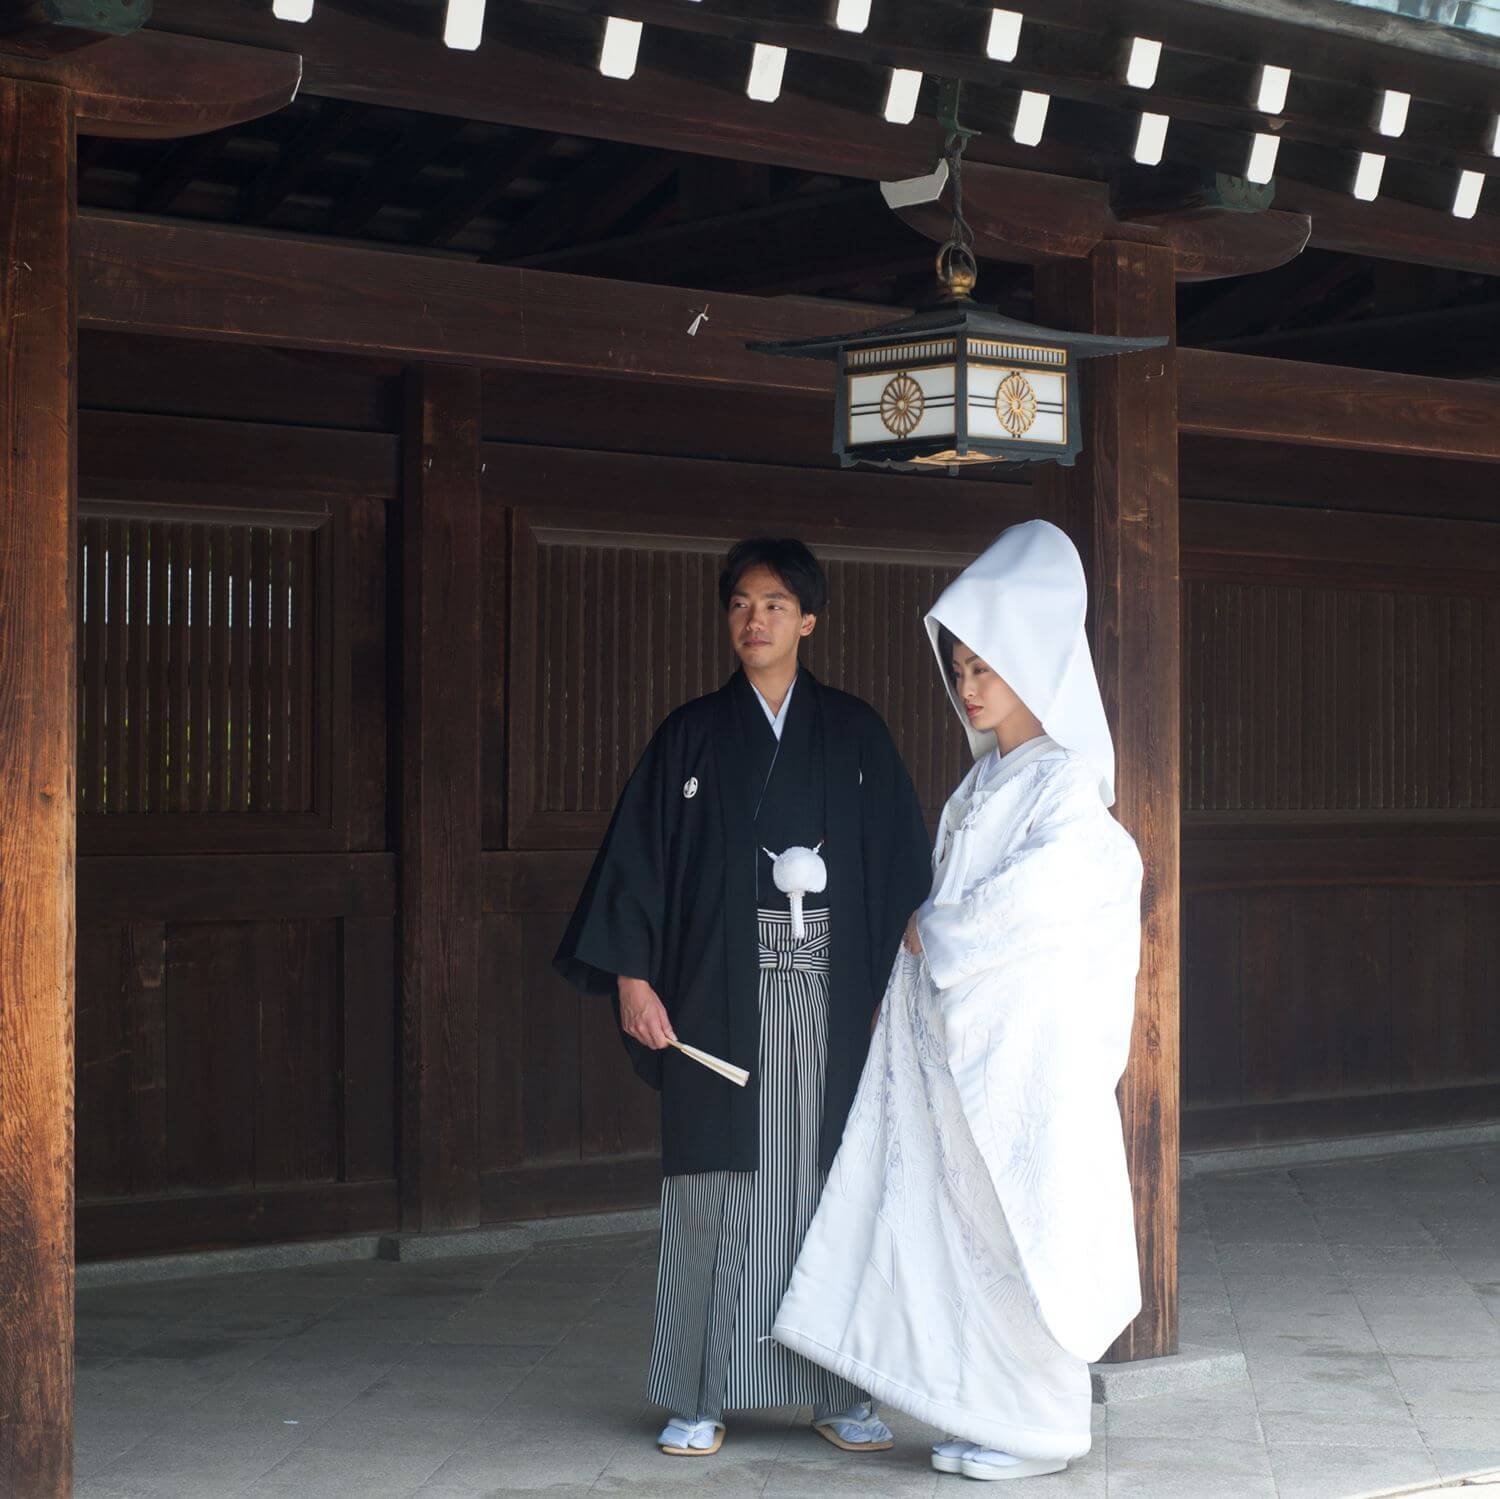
(202, 283)
(218, 1220)
(37, 788)
(370, 1027)
(560, 1191)
(160, 86)
(255, 887)
(1121, 500)
(1281, 400)
(441, 826)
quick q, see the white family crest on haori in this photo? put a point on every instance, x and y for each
(798, 871)
(975, 1243)
(690, 787)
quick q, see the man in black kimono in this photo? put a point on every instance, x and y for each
(682, 923)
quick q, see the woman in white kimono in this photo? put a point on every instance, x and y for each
(975, 1245)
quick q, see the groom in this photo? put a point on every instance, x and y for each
(686, 924)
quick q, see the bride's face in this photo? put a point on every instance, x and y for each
(983, 693)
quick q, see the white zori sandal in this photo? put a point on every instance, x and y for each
(683, 1438)
(858, 1429)
(983, 1463)
(948, 1457)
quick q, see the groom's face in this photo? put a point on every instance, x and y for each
(766, 623)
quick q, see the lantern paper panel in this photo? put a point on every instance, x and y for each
(902, 405)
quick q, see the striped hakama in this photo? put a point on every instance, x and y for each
(731, 1238)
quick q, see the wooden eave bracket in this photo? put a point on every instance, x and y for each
(160, 85)
(1032, 217)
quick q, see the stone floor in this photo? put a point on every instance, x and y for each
(1365, 1296)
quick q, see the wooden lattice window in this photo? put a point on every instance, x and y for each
(196, 687)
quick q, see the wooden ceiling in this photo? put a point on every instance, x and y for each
(481, 168)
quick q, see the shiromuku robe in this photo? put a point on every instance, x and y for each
(672, 898)
(975, 1244)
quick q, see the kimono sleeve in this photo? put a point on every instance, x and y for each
(1067, 864)
(617, 926)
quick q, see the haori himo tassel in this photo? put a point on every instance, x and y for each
(798, 871)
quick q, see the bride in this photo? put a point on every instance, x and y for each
(975, 1246)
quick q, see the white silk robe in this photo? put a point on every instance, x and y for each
(975, 1244)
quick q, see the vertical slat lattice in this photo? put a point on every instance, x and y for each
(196, 667)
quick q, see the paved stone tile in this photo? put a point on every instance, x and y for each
(1176, 1468)
(1340, 1429)
(489, 1376)
(333, 1473)
(166, 1467)
(1220, 1415)
(1275, 1259)
(1462, 1462)
(1359, 1384)
(1474, 1432)
(1328, 1471)
(1446, 1387)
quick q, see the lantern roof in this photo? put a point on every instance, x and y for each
(958, 317)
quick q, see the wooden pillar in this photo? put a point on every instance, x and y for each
(1120, 502)
(37, 767)
(440, 843)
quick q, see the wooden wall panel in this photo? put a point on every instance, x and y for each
(237, 1069)
(595, 669)
(1317, 699)
(1342, 822)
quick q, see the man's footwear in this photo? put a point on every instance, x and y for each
(856, 1430)
(948, 1457)
(988, 1465)
(683, 1438)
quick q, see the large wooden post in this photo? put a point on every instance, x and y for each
(37, 501)
(1120, 502)
(441, 840)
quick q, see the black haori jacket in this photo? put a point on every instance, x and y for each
(672, 899)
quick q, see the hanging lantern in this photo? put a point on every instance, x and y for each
(959, 383)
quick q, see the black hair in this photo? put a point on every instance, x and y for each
(788, 558)
(947, 644)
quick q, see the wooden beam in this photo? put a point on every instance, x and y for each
(440, 842)
(186, 282)
(801, 243)
(355, 54)
(1034, 217)
(1072, 62)
(38, 345)
(220, 284)
(1122, 500)
(161, 86)
(1451, 342)
(1281, 400)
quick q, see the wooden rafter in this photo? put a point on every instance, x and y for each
(421, 143)
(348, 56)
(587, 202)
(491, 171)
(802, 243)
(330, 123)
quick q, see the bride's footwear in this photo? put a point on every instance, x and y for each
(948, 1457)
(986, 1464)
